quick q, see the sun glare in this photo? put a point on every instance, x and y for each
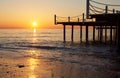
(34, 24)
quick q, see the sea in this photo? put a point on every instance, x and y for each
(76, 59)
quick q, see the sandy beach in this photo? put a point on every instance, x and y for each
(32, 65)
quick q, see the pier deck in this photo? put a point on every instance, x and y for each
(89, 23)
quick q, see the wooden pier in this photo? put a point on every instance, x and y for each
(105, 24)
(100, 22)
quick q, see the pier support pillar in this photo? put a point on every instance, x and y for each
(94, 33)
(105, 34)
(118, 35)
(98, 34)
(101, 33)
(64, 33)
(110, 34)
(86, 33)
(72, 33)
(81, 33)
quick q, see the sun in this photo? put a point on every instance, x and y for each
(34, 24)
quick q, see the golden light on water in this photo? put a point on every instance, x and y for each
(32, 64)
(34, 30)
(34, 27)
(34, 39)
(32, 76)
(32, 52)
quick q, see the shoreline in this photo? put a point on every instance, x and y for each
(20, 65)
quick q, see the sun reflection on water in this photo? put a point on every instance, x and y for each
(32, 76)
(34, 30)
(34, 39)
(32, 52)
(32, 64)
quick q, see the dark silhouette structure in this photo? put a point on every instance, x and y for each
(100, 19)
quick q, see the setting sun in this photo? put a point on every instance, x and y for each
(34, 24)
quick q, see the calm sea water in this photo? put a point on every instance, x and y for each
(21, 39)
(93, 61)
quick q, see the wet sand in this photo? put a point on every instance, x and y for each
(23, 65)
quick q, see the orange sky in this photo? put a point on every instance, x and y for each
(22, 13)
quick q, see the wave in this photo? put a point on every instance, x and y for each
(47, 47)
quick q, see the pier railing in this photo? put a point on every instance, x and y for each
(78, 18)
(102, 8)
(93, 7)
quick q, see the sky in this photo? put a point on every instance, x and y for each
(22, 13)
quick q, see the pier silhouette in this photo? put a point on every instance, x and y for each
(100, 19)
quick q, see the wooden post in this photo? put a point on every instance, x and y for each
(94, 33)
(78, 20)
(113, 11)
(105, 34)
(68, 19)
(106, 9)
(110, 34)
(81, 33)
(86, 33)
(101, 33)
(87, 8)
(55, 22)
(72, 33)
(64, 33)
(114, 35)
(83, 18)
(98, 34)
(118, 35)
